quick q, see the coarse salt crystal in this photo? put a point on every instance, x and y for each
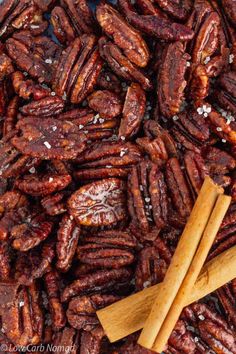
(147, 200)
(81, 126)
(201, 317)
(46, 143)
(21, 303)
(122, 138)
(175, 117)
(231, 58)
(50, 179)
(146, 283)
(206, 61)
(101, 120)
(200, 110)
(188, 63)
(53, 93)
(71, 217)
(219, 129)
(32, 170)
(223, 141)
(108, 78)
(48, 61)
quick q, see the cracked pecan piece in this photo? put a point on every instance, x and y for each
(102, 280)
(126, 37)
(81, 311)
(99, 203)
(155, 24)
(49, 138)
(133, 111)
(107, 159)
(67, 240)
(121, 65)
(106, 103)
(171, 79)
(110, 249)
(147, 196)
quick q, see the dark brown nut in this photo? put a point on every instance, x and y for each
(11, 116)
(79, 67)
(107, 159)
(181, 340)
(5, 260)
(42, 185)
(80, 14)
(30, 233)
(81, 313)
(99, 203)
(6, 67)
(230, 10)
(102, 280)
(47, 106)
(52, 284)
(156, 25)
(196, 170)
(178, 188)
(27, 88)
(67, 340)
(121, 65)
(191, 130)
(62, 28)
(219, 162)
(133, 111)
(126, 37)
(106, 103)
(152, 265)
(199, 85)
(54, 204)
(176, 9)
(219, 125)
(207, 39)
(34, 264)
(147, 196)
(109, 81)
(67, 240)
(226, 295)
(111, 249)
(22, 322)
(92, 341)
(171, 79)
(8, 292)
(226, 96)
(49, 138)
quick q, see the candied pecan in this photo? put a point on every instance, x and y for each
(92, 341)
(126, 37)
(22, 321)
(219, 125)
(181, 340)
(49, 138)
(218, 162)
(62, 28)
(199, 85)
(196, 169)
(67, 340)
(81, 311)
(6, 67)
(111, 249)
(226, 295)
(42, 185)
(34, 264)
(54, 204)
(99, 203)
(155, 25)
(155, 148)
(11, 116)
(102, 280)
(133, 111)
(178, 188)
(109, 81)
(147, 192)
(67, 239)
(121, 65)
(177, 9)
(45, 107)
(52, 284)
(152, 265)
(171, 81)
(225, 95)
(106, 103)
(107, 159)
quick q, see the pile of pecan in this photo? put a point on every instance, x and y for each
(111, 115)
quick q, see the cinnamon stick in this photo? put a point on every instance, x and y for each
(128, 315)
(180, 262)
(216, 218)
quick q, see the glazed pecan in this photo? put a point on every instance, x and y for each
(100, 203)
(81, 311)
(226, 96)
(196, 169)
(199, 85)
(156, 25)
(126, 37)
(102, 280)
(147, 203)
(45, 107)
(111, 249)
(68, 339)
(177, 9)
(107, 159)
(11, 116)
(219, 125)
(178, 188)
(22, 322)
(226, 295)
(109, 81)
(52, 284)
(106, 103)
(133, 111)
(54, 204)
(6, 67)
(49, 138)
(121, 65)
(62, 27)
(67, 239)
(171, 80)
(181, 340)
